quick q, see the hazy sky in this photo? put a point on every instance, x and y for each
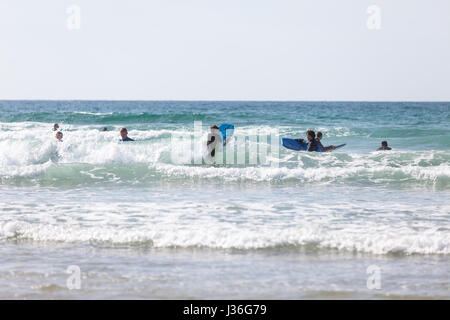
(225, 50)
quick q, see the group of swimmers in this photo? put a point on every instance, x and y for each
(59, 134)
(314, 142)
(123, 133)
(214, 137)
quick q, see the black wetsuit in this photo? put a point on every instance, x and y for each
(127, 139)
(310, 145)
(383, 148)
(213, 151)
(313, 146)
(319, 143)
(211, 140)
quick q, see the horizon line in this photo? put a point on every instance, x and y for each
(226, 100)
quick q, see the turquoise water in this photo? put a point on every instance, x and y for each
(115, 202)
(418, 132)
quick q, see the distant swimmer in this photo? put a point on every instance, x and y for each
(124, 135)
(105, 129)
(59, 136)
(213, 139)
(384, 146)
(55, 127)
(319, 137)
(313, 144)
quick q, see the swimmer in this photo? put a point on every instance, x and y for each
(319, 137)
(124, 135)
(59, 136)
(213, 139)
(384, 146)
(312, 144)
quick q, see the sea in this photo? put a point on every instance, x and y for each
(92, 217)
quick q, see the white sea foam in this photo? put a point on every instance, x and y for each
(32, 150)
(94, 113)
(378, 174)
(196, 224)
(251, 222)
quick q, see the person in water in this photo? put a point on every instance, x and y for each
(384, 146)
(312, 144)
(105, 129)
(319, 137)
(55, 127)
(59, 136)
(124, 135)
(214, 137)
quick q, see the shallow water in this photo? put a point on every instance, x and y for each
(118, 272)
(140, 224)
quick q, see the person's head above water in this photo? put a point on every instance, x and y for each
(55, 127)
(59, 135)
(124, 133)
(105, 129)
(384, 146)
(319, 135)
(311, 135)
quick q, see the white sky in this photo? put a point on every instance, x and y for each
(225, 50)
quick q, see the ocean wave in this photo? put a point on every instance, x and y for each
(122, 165)
(438, 176)
(89, 155)
(94, 113)
(89, 118)
(374, 240)
(52, 174)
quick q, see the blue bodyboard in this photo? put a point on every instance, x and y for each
(226, 130)
(340, 146)
(302, 146)
(294, 144)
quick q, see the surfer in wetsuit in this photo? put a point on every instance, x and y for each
(319, 137)
(384, 146)
(124, 135)
(213, 139)
(312, 144)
